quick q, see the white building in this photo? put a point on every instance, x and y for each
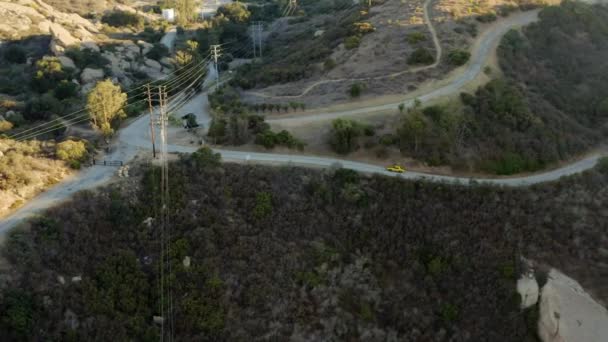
(169, 14)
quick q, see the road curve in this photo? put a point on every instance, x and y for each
(135, 137)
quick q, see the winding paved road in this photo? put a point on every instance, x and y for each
(135, 137)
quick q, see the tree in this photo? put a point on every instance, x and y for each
(105, 104)
(412, 129)
(49, 73)
(186, 11)
(205, 157)
(294, 106)
(401, 107)
(236, 12)
(267, 139)
(189, 54)
(344, 133)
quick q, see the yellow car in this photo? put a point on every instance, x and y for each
(396, 168)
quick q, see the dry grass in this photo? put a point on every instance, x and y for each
(26, 169)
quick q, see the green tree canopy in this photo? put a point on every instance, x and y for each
(235, 12)
(105, 104)
(344, 134)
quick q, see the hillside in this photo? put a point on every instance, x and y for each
(318, 57)
(289, 253)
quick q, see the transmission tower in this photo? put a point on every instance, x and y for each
(215, 50)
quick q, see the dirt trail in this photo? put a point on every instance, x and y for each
(453, 84)
(439, 54)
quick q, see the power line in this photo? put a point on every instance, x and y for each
(64, 117)
(61, 121)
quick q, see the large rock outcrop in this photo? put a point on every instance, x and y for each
(568, 313)
(22, 18)
(62, 36)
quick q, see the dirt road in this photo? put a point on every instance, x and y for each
(438, 49)
(480, 54)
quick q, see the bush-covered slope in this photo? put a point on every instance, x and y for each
(559, 63)
(550, 105)
(280, 253)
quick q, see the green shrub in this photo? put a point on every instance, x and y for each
(602, 165)
(266, 139)
(329, 64)
(389, 139)
(270, 139)
(16, 119)
(356, 90)
(433, 112)
(415, 37)
(19, 310)
(66, 89)
(352, 42)
(122, 18)
(15, 54)
(72, 151)
(449, 312)
(86, 58)
(458, 57)
(436, 266)
(263, 205)
(344, 134)
(421, 56)
(75, 164)
(205, 157)
(49, 72)
(487, 18)
(43, 107)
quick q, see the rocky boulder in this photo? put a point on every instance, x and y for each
(153, 64)
(17, 19)
(153, 73)
(90, 45)
(66, 62)
(527, 287)
(90, 75)
(62, 36)
(568, 313)
(167, 62)
(145, 47)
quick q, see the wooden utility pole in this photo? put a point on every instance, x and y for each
(215, 50)
(152, 130)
